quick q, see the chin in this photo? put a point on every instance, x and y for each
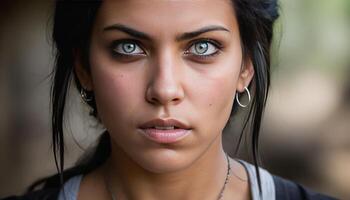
(162, 161)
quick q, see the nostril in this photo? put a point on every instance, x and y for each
(154, 100)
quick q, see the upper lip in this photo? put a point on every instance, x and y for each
(164, 123)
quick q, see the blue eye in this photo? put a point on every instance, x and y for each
(127, 48)
(203, 48)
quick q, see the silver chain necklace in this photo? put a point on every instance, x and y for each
(220, 196)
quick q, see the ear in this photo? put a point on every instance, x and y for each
(82, 73)
(245, 76)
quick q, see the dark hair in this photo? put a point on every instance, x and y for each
(73, 21)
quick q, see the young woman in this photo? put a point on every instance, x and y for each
(163, 77)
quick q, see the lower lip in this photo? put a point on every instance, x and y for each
(165, 136)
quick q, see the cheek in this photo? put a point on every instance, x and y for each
(116, 97)
(214, 93)
(217, 103)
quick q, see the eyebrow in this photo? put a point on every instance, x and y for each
(189, 35)
(184, 36)
(127, 30)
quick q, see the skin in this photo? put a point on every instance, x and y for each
(165, 78)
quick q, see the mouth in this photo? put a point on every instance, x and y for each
(165, 131)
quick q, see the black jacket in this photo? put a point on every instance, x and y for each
(285, 190)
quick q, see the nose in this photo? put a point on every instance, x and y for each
(165, 85)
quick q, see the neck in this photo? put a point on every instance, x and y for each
(203, 179)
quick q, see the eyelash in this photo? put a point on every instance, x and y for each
(215, 43)
(115, 44)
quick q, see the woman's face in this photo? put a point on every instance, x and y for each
(165, 59)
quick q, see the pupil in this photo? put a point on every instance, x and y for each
(201, 48)
(129, 48)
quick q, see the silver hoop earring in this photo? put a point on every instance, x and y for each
(249, 98)
(85, 96)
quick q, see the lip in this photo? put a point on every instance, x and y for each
(164, 122)
(165, 136)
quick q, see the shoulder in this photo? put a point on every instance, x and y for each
(43, 194)
(54, 192)
(280, 187)
(286, 189)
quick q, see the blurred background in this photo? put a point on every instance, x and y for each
(305, 134)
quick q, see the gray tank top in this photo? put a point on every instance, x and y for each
(267, 184)
(71, 187)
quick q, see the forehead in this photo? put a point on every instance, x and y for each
(168, 15)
